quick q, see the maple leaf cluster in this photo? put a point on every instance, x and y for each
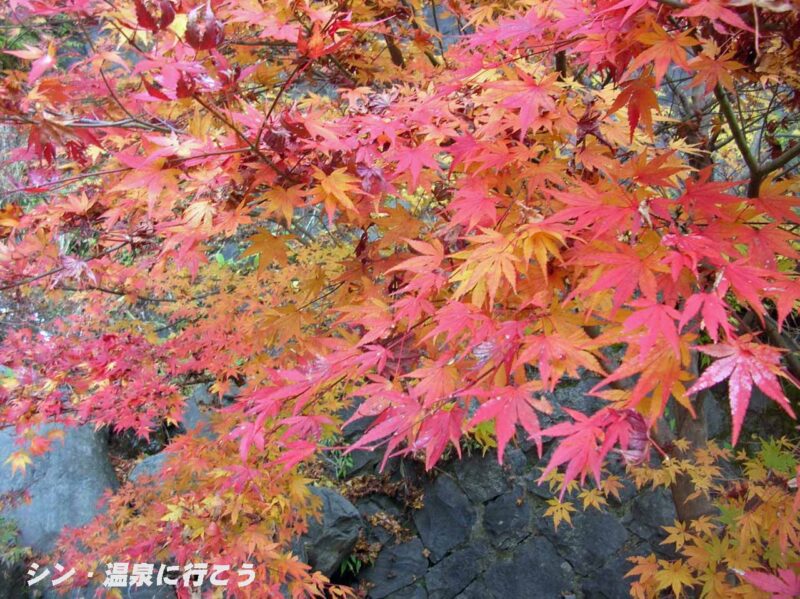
(447, 210)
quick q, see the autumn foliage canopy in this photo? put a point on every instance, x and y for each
(434, 211)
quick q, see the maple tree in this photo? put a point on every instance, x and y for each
(443, 226)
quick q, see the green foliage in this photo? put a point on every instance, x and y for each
(351, 566)
(11, 552)
(754, 527)
(776, 456)
(481, 438)
(341, 462)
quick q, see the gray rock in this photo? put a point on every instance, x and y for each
(202, 395)
(375, 505)
(594, 537)
(759, 402)
(573, 394)
(540, 490)
(515, 462)
(482, 478)
(357, 428)
(147, 467)
(415, 591)
(234, 391)
(628, 490)
(609, 582)
(364, 462)
(535, 570)
(717, 419)
(193, 418)
(507, 519)
(65, 485)
(446, 517)
(396, 567)
(454, 573)
(643, 532)
(299, 550)
(477, 590)
(331, 538)
(652, 510)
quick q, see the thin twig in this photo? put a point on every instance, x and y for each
(54, 271)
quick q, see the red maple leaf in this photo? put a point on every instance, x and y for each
(509, 406)
(412, 160)
(714, 11)
(743, 362)
(436, 431)
(633, 7)
(42, 60)
(658, 320)
(640, 97)
(589, 439)
(783, 585)
(714, 313)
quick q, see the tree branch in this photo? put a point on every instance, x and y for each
(781, 161)
(54, 271)
(736, 131)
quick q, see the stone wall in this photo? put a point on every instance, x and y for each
(471, 529)
(481, 532)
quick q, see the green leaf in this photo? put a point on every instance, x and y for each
(777, 458)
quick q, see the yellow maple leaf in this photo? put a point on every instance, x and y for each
(678, 535)
(267, 247)
(178, 25)
(9, 216)
(284, 200)
(645, 568)
(9, 383)
(559, 511)
(298, 489)
(199, 215)
(487, 263)
(611, 485)
(539, 244)
(715, 584)
(18, 460)
(592, 498)
(289, 324)
(334, 188)
(174, 513)
(674, 575)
